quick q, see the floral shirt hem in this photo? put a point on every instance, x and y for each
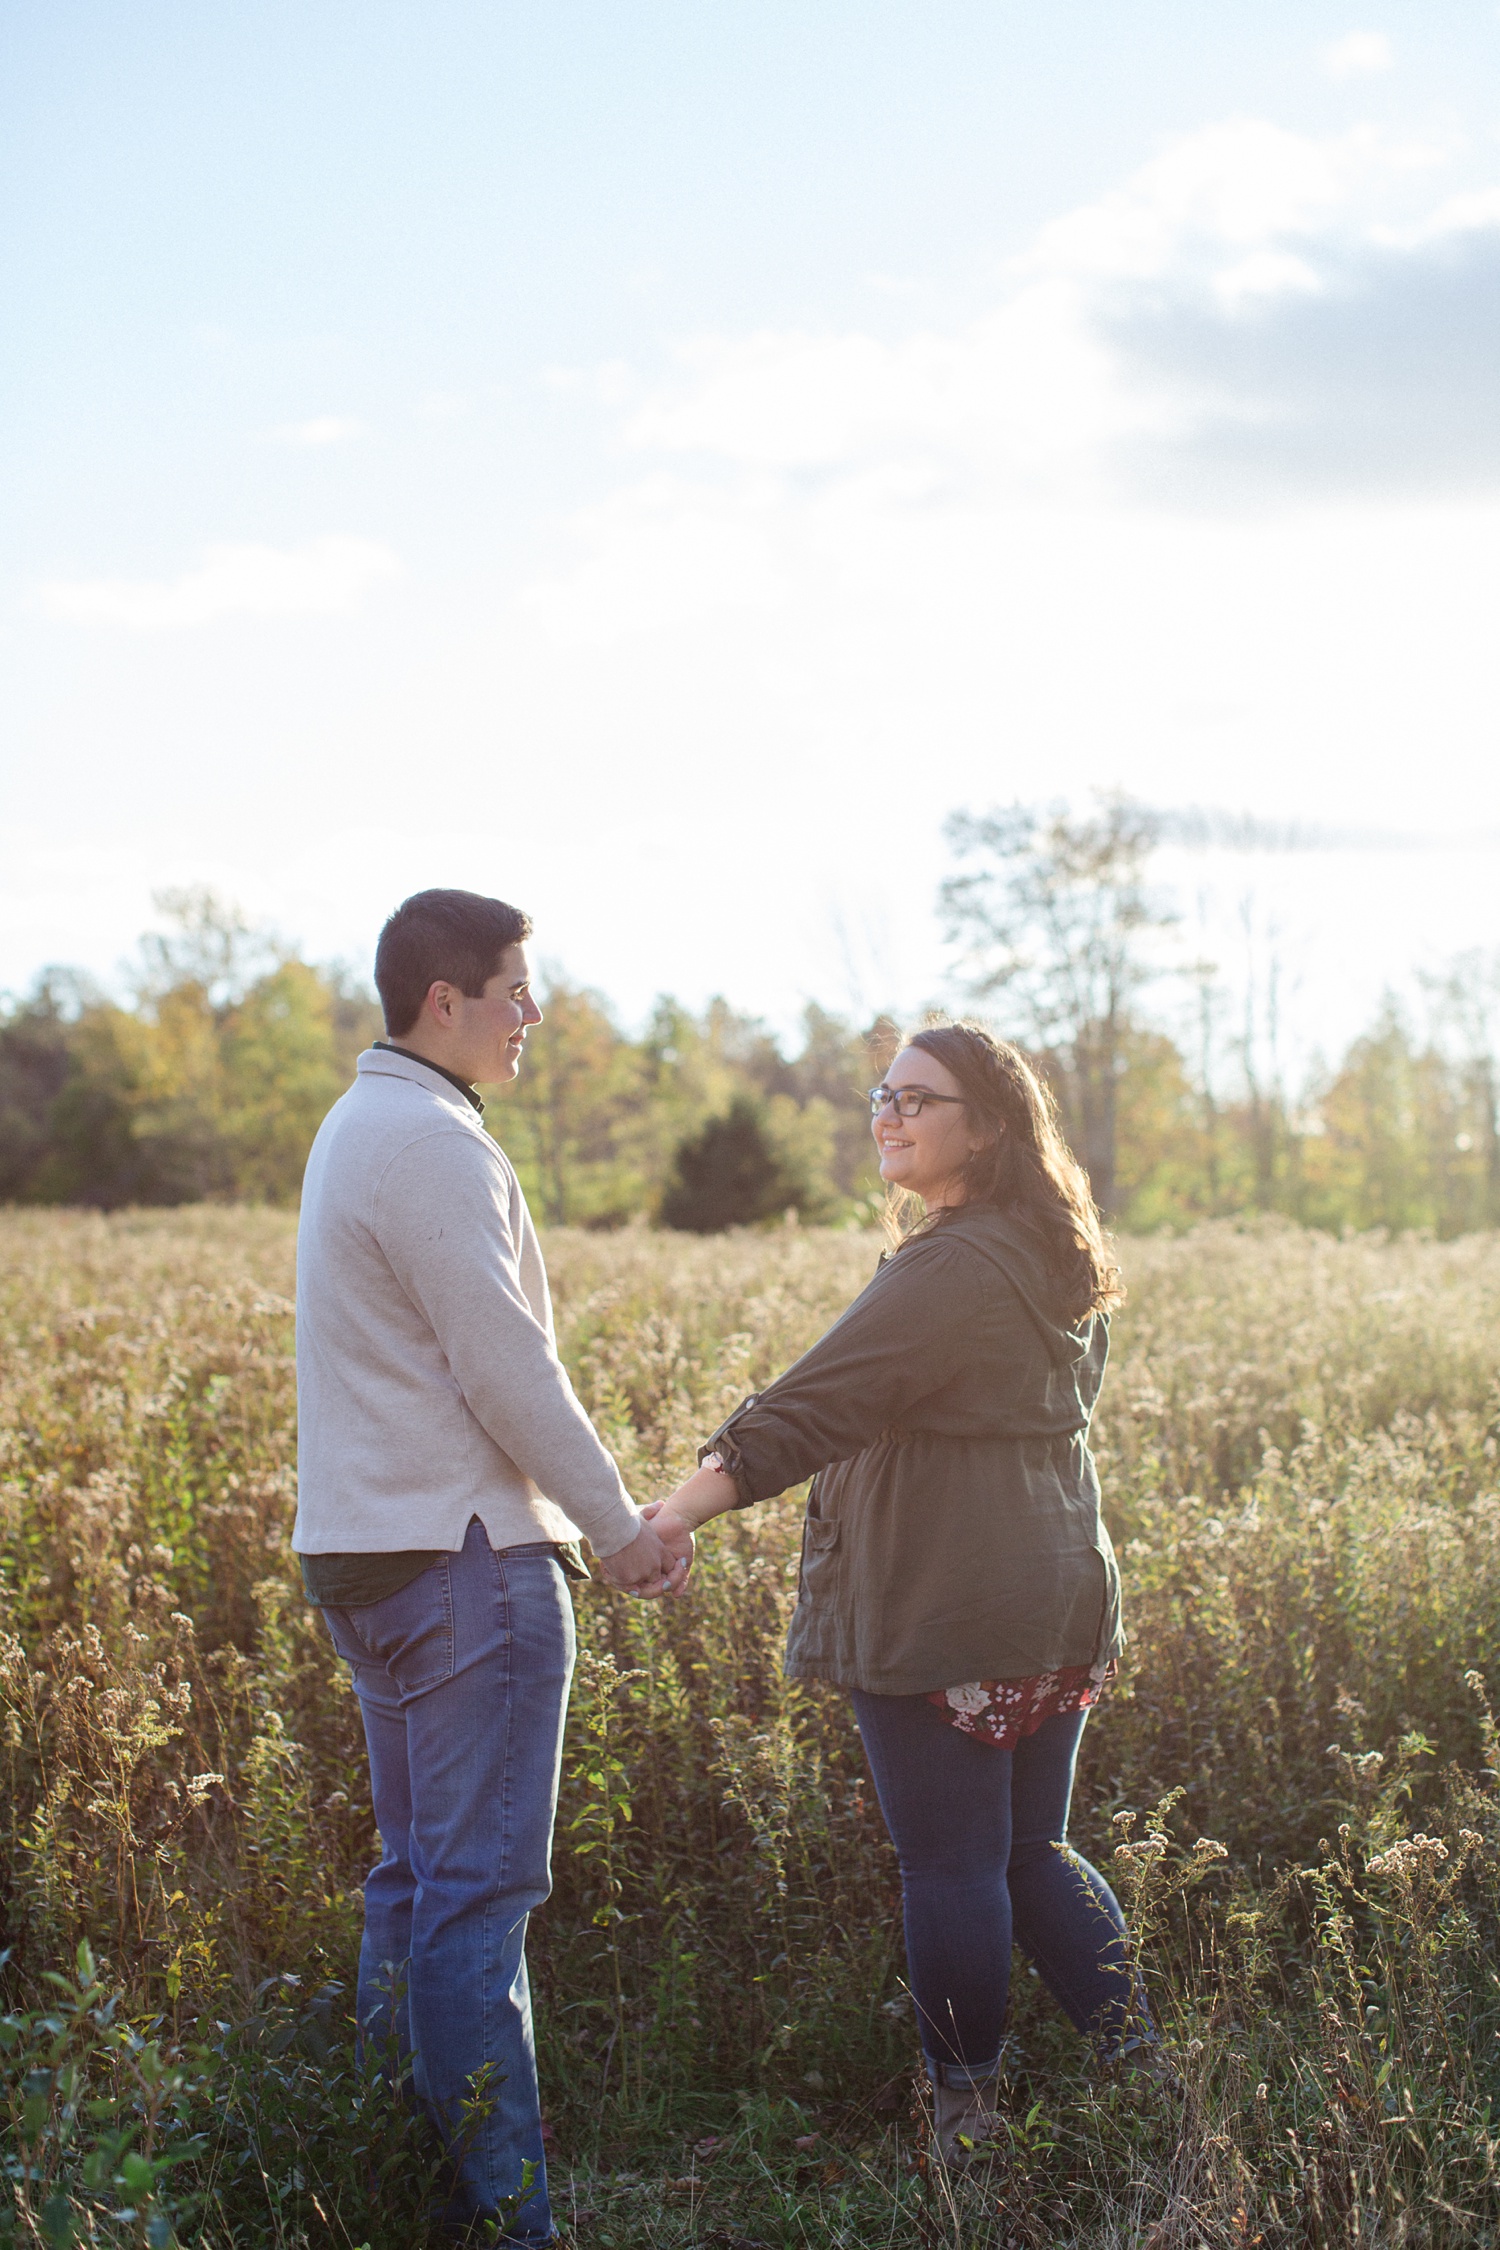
(1002, 1711)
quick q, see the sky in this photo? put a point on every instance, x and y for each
(655, 462)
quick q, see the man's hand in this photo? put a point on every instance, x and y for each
(646, 1567)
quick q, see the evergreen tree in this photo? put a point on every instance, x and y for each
(728, 1175)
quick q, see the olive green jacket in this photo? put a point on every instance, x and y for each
(953, 1531)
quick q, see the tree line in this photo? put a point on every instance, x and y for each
(208, 1079)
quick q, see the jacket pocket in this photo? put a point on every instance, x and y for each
(1112, 1635)
(820, 1540)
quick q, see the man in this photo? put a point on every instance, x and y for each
(445, 1470)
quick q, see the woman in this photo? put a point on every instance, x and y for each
(956, 1577)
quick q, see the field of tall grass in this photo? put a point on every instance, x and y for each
(1294, 1785)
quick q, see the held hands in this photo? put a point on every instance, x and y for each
(658, 1559)
(651, 1565)
(674, 1534)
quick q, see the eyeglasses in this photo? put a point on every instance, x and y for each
(906, 1101)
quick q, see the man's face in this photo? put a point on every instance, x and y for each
(492, 1028)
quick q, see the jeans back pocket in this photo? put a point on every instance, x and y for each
(409, 1635)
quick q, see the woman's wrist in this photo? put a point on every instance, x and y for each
(710, 1491)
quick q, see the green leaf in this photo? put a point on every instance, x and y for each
(58, 2222)
(138, 2173)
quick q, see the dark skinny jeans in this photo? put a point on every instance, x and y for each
(981, 1834)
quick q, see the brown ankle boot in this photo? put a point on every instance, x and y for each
(965, 2124)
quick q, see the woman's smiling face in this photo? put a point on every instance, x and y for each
(925, 1154)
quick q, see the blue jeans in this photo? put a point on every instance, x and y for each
(462, 1679)
(981, 1835)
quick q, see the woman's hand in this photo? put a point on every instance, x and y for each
(675, 1536)
(709, 1492)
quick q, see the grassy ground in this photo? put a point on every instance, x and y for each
(1294, 1786)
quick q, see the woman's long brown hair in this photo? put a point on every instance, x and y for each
(1025, 1166)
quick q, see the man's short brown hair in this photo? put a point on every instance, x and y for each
(457, 937)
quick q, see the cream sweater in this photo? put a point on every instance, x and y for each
(429, 1389)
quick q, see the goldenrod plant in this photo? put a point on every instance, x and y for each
(1294, 1786)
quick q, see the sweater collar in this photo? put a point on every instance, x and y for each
(470, 1093)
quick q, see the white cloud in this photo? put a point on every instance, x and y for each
(1251, 304)
(322, 429)
(1360, 55)
(1473, 213)
(1228, 188)
(1231, 219)
(1020, 389)
(325, 578)
(859, 578)
(1035, 388)
(1264, 274)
